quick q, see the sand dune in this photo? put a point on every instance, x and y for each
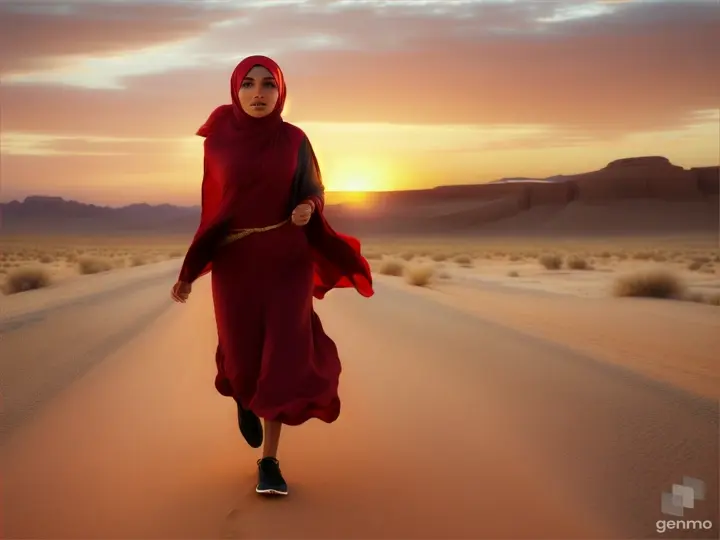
(456, 423)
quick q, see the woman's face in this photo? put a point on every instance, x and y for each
(258, 92)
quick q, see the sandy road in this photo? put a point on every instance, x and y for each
(452, 427)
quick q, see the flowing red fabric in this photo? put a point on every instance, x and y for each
(273, 355)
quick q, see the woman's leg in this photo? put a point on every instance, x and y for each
(270, 479)
(272, 438)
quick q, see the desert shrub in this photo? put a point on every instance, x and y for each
(463, 260)
(695, 266)
(45, 258)
(93, 265)
(575, 262)
(138, 260)
(439, 257)
(391, 267)
(656, 283)
(513, 273)
(370, 255)
(551, 261)
(419, 275)
(407, 256)
(712, 299)
(26, 279)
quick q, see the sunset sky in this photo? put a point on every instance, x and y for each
(101, 98)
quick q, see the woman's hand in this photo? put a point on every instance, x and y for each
(302, 213)
(181, 291)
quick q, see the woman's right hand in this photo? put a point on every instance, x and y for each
(181, 291)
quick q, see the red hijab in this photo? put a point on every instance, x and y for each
(238, 145)
(233, 121)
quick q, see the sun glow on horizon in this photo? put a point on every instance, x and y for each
(357, 175)
(357, 199)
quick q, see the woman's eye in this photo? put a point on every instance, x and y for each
(270, 84)
(246, 84)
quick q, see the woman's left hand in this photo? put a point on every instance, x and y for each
(181, 291)
(302, 213)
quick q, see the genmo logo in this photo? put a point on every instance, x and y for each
(663, 525)
(677, 500)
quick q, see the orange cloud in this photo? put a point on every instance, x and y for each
(37, 35)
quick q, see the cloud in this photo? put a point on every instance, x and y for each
(39, 35)
(609, 69)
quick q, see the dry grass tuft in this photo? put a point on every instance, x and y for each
(551, 261)
(419, 275)
(94, 265)
(391, 267)
(26, 279)
(657, 283)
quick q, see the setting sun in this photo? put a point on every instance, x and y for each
(357, 175)
(354, 183)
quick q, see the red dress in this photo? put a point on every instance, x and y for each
(273, 354)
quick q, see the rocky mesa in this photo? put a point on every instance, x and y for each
(641, 194)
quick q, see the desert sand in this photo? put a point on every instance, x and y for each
(476, 405)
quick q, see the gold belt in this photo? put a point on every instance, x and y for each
(237, 234)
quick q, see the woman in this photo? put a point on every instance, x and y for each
(263, 234)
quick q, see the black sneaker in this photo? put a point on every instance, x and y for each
(250, 427)
(270, 479)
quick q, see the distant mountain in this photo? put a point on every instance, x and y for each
(632, 195)
(47, 215)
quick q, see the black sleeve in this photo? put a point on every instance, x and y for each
(307, 183)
